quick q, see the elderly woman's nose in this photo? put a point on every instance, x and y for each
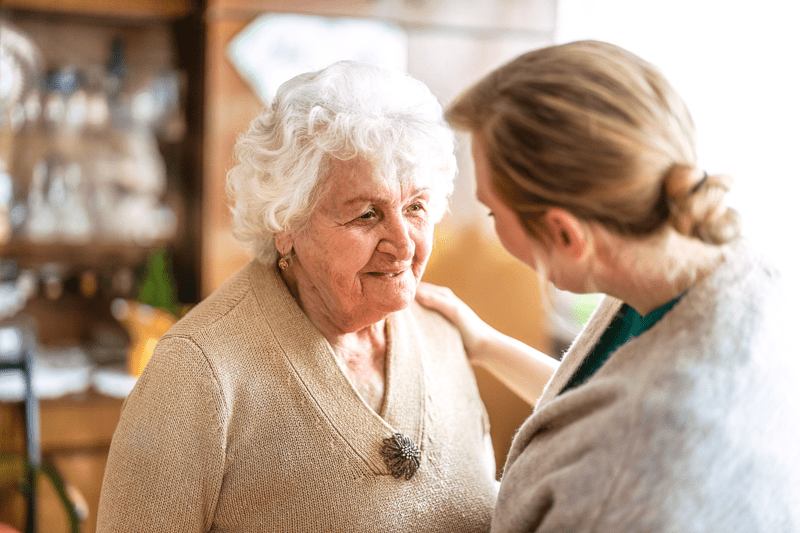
(397, 241)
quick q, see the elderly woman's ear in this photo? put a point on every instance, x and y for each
(283, 242)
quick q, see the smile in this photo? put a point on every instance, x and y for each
(386, 274)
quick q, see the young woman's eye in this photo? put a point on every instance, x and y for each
(491, 214)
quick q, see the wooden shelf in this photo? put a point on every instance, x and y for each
(83, 420)
(129, 9)
(91, 255)
(76, 432)
(494, 17)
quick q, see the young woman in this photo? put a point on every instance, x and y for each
(676, 408)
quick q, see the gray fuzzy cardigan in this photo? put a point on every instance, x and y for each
(694, 426)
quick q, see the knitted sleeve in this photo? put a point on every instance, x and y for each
(167, 457)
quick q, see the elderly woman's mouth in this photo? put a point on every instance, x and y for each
(393, 274)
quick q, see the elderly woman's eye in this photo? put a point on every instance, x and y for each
(417, 206)
(368, 215)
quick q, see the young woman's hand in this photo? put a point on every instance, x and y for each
(473, 329)
(522, 368)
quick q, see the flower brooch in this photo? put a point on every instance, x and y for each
(401, 455)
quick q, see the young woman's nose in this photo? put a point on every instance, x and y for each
(396, 240)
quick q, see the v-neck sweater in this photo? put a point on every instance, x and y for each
(244, 422)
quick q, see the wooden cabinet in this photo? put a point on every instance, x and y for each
(76, 430)
(129, 9)
(76, 433)
(167, 40)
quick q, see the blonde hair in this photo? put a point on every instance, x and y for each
(348, 110)
(596, 130)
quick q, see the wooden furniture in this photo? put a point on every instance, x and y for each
(76, 430)
(77, 34)
(76, 433)
(129, 9)
(451, 43)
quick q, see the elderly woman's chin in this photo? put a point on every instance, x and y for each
(387, 293)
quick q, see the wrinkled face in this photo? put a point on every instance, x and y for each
(365, 247)
(506, 223)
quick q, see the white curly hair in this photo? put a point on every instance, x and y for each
(344, 111)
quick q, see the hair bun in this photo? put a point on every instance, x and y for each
(697, 205)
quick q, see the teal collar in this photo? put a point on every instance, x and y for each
(626, 325)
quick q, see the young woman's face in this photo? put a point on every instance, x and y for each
(365, 248)
(506, 223)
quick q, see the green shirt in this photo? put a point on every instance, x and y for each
(626, 325)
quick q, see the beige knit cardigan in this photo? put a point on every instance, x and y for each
(691, 427)
(243, 422)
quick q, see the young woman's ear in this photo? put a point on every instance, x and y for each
(568, 233)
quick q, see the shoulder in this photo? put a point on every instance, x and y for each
(746, 276)
(218, 305)
(438, 341)
(178, 371)
(237, 325)
(429, 317)
(739, 309)
(431, 327)
(239, 315)
(564, 459)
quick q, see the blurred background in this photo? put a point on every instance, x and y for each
(117, 121)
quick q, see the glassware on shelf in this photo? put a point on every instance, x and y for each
(100, 173)
(77, 225)
(41, 222)
(20, 63)
(16, 288)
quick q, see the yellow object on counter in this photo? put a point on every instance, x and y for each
(145, 325)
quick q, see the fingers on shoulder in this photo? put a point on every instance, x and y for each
(426, 289)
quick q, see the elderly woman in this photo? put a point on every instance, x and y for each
(676, 409)
(310, 392)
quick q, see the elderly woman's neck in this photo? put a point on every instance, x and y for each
(361, 355)
(358, 345)
(651, 272)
